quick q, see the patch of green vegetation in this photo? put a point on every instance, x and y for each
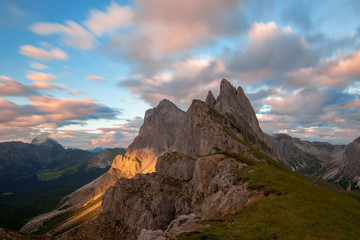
(6, 193)
(258, 154)
(297, 209)
(238, 156)
(52, 174)
(263, 145)
(215, 113)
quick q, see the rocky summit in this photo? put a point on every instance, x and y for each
(158, 133)
(195, 155)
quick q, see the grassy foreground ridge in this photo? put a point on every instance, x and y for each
(292, 208)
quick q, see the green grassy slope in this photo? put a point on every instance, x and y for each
(292, 208)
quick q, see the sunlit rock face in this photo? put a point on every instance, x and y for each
(157, 134)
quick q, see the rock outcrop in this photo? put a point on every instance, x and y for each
(195, 174)
(233, 102)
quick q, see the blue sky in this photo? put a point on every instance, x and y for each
(84, 72)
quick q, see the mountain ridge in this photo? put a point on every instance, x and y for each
(212, 162)
(192, 176)
(334, 163)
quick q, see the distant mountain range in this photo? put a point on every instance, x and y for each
(35, 176)
(334, 163)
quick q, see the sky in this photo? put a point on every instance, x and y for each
(84, 72)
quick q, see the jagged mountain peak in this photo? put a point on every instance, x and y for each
(163, 107)
(166, 102)
(160, 127)
(226, 89)
(210, 99)
(233, 102)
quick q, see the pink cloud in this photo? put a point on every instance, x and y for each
(61, 109)
(10, 87)
(335, 72)
(40, 77)
(44, 86)
(38, 66)
(74, 91)
(176, 25)
(94, 78)
(348, 67)
(353, 104)
(42, 54)
(46, 109)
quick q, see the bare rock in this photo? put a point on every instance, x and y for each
(234, 102)
(351, 170)
(152, 235)
(175, 165)
(184, 223)
(210, 99)
(201, 133)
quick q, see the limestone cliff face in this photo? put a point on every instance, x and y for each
(203, 131)
(195, 171)
(157, 200)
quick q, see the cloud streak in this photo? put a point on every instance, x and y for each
(94, 78)
(42, 54)
(11, 87)
(71, 33)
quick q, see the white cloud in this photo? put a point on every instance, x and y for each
(181, 83)
(114, 18)
(72, 33)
